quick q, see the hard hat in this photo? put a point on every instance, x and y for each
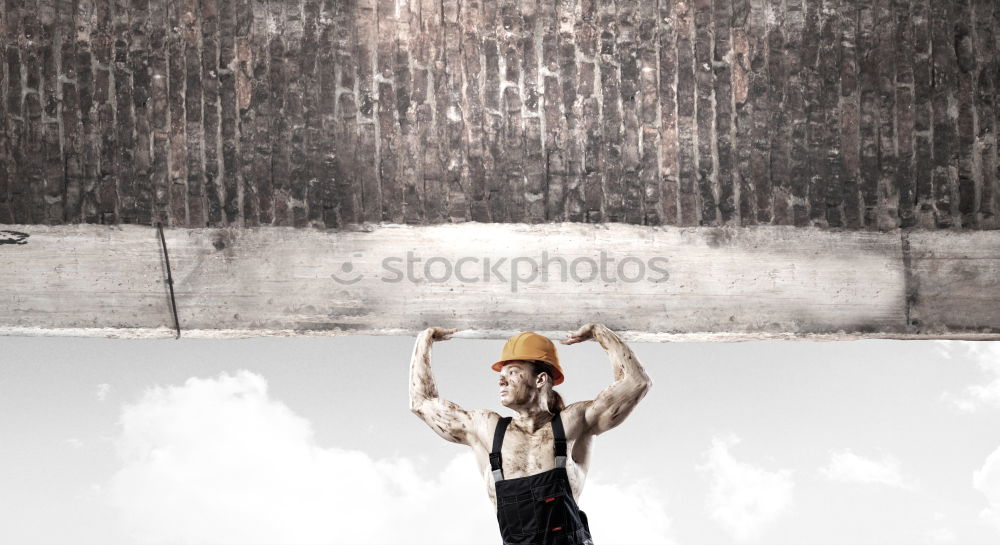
(528, 345)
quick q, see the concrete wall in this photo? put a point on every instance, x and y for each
(836, 113)
(491, 280)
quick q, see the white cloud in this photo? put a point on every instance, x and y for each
(744, 498)
(102, 391)
(845, 466)
(987, 355)
(942, 535)
(633, 513)
(219, 461)
(987, 480)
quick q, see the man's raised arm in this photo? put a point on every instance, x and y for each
(444, 417)
(612, 405)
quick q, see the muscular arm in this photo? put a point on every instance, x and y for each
(444, 417)
(616, 402)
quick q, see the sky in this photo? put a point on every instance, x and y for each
(310, 440)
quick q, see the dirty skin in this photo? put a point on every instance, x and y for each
(528, 445)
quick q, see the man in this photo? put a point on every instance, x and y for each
(534, 463)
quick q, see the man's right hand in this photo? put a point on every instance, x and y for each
(439, 333)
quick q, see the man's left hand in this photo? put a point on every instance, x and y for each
(584, 333)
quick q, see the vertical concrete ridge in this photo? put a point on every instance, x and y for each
(911, 288)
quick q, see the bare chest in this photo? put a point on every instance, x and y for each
(524, 454)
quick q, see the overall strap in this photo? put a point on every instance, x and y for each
(559, 436)
(496, 464)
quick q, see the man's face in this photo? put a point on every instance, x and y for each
(517, 384)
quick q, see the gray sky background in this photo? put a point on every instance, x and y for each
(310, 441)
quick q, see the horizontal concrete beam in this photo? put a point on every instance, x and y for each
(491, 280)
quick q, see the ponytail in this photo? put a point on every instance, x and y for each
(555, 402)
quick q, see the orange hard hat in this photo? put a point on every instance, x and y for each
(529, 346)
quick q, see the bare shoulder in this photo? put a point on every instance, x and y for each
(484, 417)
(574, 420)
(484, 423)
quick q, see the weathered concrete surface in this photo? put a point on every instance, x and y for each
(656, 283)
(956, 279)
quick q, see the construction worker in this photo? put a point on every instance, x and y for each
(534, 463)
